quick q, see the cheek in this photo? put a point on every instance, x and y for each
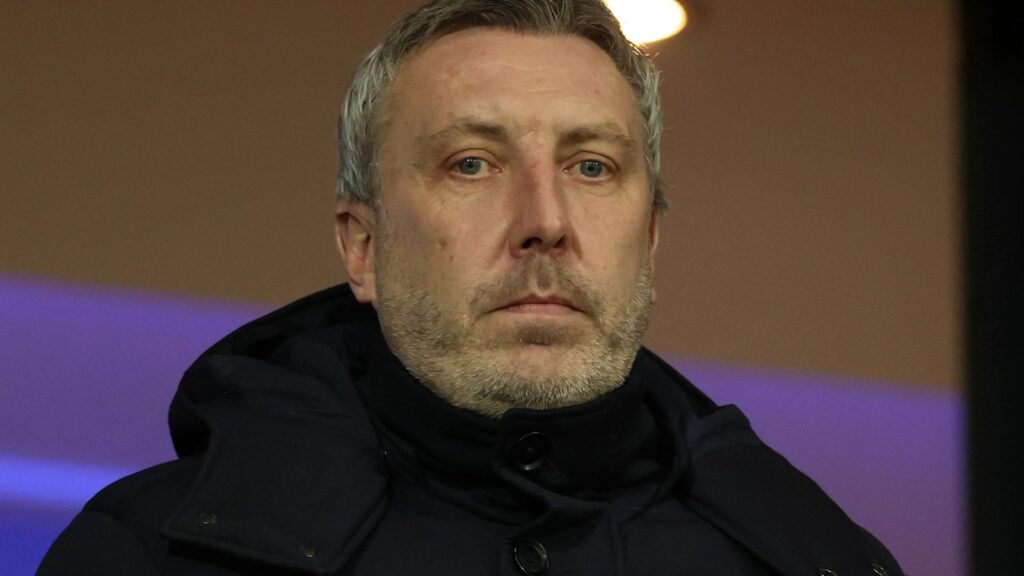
(446, 246)
(624, 258)
(614, 232)
(435, 243)
(462, 236)
(438, 252)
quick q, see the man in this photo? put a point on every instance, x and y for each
(475, 400)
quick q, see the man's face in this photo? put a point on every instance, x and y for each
(512, 247)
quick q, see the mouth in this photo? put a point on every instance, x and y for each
(551, 304)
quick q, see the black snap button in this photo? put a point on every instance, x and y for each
(307, 551)
(826, 572)
(879, 570)
(530, 451)
(207, 518)
(531, 557)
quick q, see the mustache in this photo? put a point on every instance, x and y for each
(538, 274)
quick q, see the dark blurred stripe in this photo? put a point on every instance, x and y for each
(993, 132)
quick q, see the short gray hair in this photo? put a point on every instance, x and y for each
(358, 178)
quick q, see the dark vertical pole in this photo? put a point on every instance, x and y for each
(993, 180)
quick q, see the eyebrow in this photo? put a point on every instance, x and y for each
(606, 131)
(467, 126)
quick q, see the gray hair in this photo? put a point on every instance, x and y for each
(358, 178)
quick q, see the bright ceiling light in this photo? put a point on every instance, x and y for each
(645, 21)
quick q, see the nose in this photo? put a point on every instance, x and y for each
(541, 222)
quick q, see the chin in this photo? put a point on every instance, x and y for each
(491, 380)
(529, 351)
(548, 366)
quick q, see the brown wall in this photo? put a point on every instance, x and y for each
(810, 155)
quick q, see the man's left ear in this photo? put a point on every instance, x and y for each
(354, 226)
(653, 228)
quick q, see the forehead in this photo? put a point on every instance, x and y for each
(527, 81)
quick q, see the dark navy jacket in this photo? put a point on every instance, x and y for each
(304, 450)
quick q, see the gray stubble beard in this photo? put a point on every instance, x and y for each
(446, 356)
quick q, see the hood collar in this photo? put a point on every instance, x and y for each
(599, 446)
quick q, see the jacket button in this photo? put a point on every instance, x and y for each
(531, 557)
(826, 572)
(207, 518)
(530, 451)
(307, 551)
(879, 570)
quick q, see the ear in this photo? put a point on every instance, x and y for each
(354, 226)
(653, 230)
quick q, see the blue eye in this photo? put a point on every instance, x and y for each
(470, 166)
(591, 168)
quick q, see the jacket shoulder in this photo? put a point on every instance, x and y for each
(756, 496)
(146, 497)
(96, 543)
(118, 531)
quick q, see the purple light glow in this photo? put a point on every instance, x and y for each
(52, 483)
(88, 373)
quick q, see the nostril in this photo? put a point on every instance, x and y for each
(530, 242)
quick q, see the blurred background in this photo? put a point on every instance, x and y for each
(167, 171)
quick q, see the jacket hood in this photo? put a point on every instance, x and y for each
(274, 400)
(303, 342)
